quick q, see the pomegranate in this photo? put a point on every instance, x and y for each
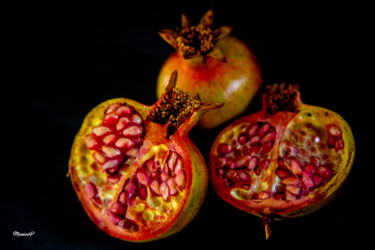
(287, 160)
(134, 169)
(210, 62)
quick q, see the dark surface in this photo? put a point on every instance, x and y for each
(63, 70)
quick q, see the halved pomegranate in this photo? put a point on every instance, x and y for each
(134, 169)
(287, 160)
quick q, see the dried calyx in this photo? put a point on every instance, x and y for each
(174, 106)
(281, 97)
(194, 41)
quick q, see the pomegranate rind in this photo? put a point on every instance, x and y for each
(321, 196)
(196, 176)
(234, 81)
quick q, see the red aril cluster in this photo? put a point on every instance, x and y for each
(284, 161)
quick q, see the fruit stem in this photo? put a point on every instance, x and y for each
(267, 222)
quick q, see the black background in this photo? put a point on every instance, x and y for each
(60, 71)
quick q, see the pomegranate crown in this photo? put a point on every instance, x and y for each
(196, 41)
(281, 97)
(176, 106)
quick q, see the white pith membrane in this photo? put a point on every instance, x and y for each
(131, 196)
(251, 167)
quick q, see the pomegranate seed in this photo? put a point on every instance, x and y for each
(122, 123)
(133, 130)
(172, 185)
(266, 147)
(101, 130)
(231, 174)
(124, 111)
(91, 142)
(244, 176)
(132, 152)
(242, 138)
(150, 166)
(131, 187)
(109, 139)
(254, 140)
(246, 150)
(307, 181)
(282, 173)
(289, 196)
(220, 161)
(178, 166)
(118, 209)
(310, 169)
(324, 172)
(237, 153)
(242, 162)
(154, 186)
(334, 130)
(264, 129)
(112, 108)
(268, 137)
(294, 181)
(90, 190)
(164, 190)
(263, 164)
(122, 198)
(231, 163)
(142, 177)
(253, 130)
(339, 144)
(111, 164)
(124, 143)
(137, 119)
(293, 189)
(331, 141)
(143, 192)
(113, 178)
(130, 225)
(253, 162)
(224, 148)
(163, 176)
(114, 218)
(110, 152)
(172, 160)
(110, 119)
(180, 179)
(295, 167)
(317, 180)
(254, 150)
(314, 161)
(99, 157)
(220, 171)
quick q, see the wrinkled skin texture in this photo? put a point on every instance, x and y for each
(297, 168)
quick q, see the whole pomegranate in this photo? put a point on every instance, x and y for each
(287, 160)
(134, 169)
(219, 67)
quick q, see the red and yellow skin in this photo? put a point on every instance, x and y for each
(270, 208)
(227, 72)
(155, 217)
